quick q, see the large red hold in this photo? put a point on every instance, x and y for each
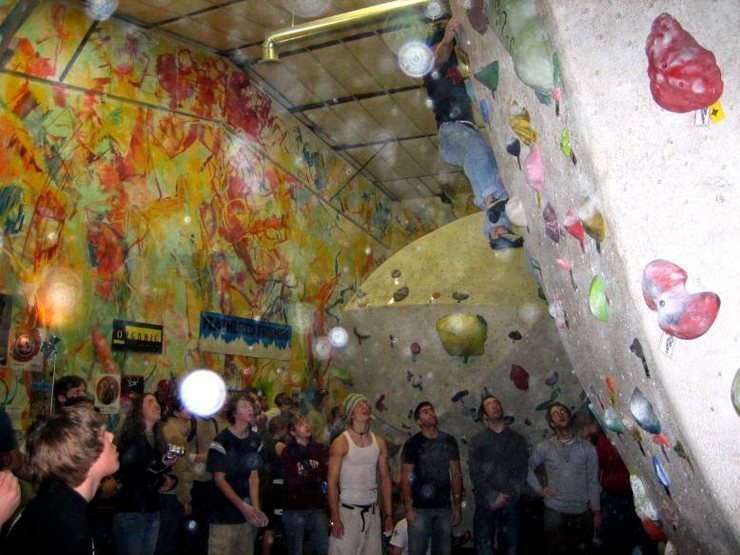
(684, 76)
(681, 314)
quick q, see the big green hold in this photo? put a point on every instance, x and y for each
(463, 335)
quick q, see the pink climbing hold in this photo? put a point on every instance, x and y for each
(684, 76)
(681, 314)
(574, 226)
(534, 174)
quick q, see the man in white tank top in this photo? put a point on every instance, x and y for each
(358, 460)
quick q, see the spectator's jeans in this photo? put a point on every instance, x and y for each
(462, 145)
(135, 533)
(434, 524)
(503, 522)
(171, 525)
(231, 539)
(306, 525)
(567, 533)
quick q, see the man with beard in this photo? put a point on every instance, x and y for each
(498, 469)
(430, 471)
(572, 505)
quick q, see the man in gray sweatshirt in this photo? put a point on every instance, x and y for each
(498, 470)
(571, 493)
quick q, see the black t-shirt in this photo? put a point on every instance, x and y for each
(430, 485)
(446, 89)
(55, 521)
(236, 458)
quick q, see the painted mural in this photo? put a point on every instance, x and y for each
(142, 180)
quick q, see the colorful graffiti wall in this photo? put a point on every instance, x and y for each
(143, 180)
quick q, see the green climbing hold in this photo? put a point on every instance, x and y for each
(597, 300)
(488, 75)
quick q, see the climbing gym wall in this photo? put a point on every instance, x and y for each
(448, 320)
(627, 197)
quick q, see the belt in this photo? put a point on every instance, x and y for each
(464, 122)
(363, 509)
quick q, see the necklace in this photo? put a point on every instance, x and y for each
(361, 434)
(563, 448)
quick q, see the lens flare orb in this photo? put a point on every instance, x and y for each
(203, 392)
(415, 59)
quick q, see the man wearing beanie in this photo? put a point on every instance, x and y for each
(358, 459)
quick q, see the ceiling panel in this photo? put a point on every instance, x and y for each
(339, 62)
(296, 93)
(310, 73)
(392, 120)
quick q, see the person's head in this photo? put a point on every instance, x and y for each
(283, 402)
(425, 416)
(145, 414)
(68, 446)
(558, 416)
(256, 402)
(67, 387)
(239, 409)
(490, 408)
(336, 413)
(81, 400)
(278, 427)
(179, 409)
(319, 397)
(300, 429)
(357, 407)
(587, 425)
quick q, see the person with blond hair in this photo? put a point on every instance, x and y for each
(69, 453)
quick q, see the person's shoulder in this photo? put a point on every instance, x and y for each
(447, 437)
(514, 434)
(340, 445)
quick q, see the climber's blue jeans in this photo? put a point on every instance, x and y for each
(461, 144)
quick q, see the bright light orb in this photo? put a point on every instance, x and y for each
(322, 348)
(100, 10)
(203, 392)
(306, 8)
(415, 59)
(434, 10)
(338, 337)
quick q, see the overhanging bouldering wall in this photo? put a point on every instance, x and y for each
(397, 358)
(620, 184)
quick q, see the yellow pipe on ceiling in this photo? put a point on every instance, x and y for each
(311, 28)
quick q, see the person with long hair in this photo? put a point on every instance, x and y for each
(141, 478)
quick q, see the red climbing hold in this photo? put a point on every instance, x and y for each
(684, 76)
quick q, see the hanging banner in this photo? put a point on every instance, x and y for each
(231, 335)
(137, 336)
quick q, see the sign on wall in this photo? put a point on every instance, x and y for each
(137, 336)
(231, 335)
(107, 393)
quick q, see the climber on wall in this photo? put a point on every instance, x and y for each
(460, 142)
